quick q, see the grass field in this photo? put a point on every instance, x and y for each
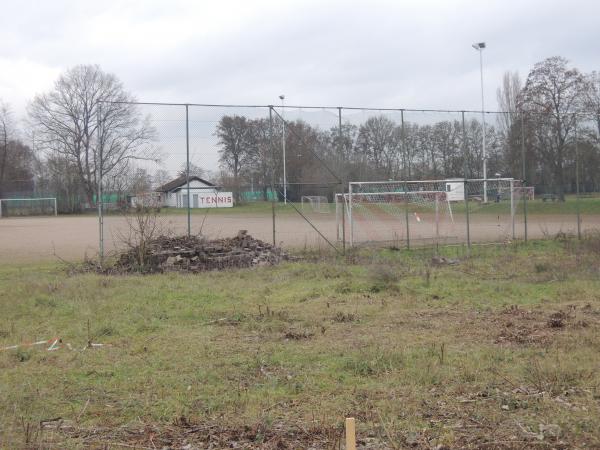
(497, 351)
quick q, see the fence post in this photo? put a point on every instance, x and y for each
(512, 206)
(466, 185)
(350, 215)
(524, 173)
(578, 206)
(99, 197)
(341, 144)
(437, 222)
(187, 168)
(272, 169)
(402, 137)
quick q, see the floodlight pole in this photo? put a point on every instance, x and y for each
(99, 188)
(479, 47)
(187, 169)
(282, 98)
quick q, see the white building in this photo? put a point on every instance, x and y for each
(455, 189)
(203, 194)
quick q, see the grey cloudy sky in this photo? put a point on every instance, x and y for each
(368, 53)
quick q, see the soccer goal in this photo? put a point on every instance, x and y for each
(431, 212)
(390, 211)
(527, 192)
(13, 207)
(315, 203)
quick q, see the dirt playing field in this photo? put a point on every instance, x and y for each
(73, 237)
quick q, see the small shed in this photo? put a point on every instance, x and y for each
(202, 194)
(455, 189)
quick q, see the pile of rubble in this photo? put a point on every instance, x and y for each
(197, 254)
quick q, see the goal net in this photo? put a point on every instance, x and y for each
(315, 203)
(493, 208)
(395, 210)
(13, 207)
(431, 212)
(521, 192)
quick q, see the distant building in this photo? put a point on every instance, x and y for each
(203, 194)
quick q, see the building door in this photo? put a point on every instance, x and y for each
(185, 203)
(195, 200)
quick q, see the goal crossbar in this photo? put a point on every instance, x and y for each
(390, 193)
(316, 203)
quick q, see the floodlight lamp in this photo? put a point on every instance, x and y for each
(281, 97)
(479, 45)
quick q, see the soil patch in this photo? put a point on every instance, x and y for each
(184, 434)
(526, 327)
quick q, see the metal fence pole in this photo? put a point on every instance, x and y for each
(402, 137)
(187, 168)
(512, 207)
(578, 206)
(272, 169)
(99, 174)
(350, 215)
(523, 161)
(341, 148)
(466, 185)
(437, 221)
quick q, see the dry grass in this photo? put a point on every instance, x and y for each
(498, 351)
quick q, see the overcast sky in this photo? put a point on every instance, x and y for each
(370, 53)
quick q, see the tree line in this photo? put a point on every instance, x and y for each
(550, 128)
(88, 126)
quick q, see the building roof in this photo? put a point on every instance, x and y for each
(181, 181)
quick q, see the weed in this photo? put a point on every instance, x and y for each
(106, 330)
(342, 317)
(542, 267)
(22, 355)
(45, 302)
(384, 278)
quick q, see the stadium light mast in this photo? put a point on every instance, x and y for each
(479, 46)
(282, 98)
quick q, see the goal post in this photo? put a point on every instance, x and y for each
(505, 194)
(381, 211)
(315, 203)
(39, 206)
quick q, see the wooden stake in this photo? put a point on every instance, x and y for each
(350, 433)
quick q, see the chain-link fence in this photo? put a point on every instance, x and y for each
(320, 177)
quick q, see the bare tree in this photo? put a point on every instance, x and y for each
(592, 102)
(195, 171)
(58, 177)
(262, 161)
(552, 96)
(509, 91)
(17, 160)
(160, 177)
(237, 146)
(87, 113)
(144, 226)
(6, 131)
(379, 139)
